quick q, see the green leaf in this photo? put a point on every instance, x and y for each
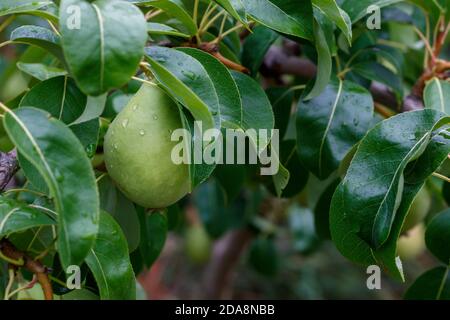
(58, 96)
(437, 236)
(106, 49)
(388, 170)
(80, 294)
(288, 17)
(357, 9)
(332, 11)
(235, 8)
(324, 64)
(186, 80)
(210, 200)
(256, 108)
(375, 71)
(88, 134)
(40, 71)
(174, 10)
(32, 174)
(229, 111)
(330, 124)
(40, 37)
(322, 211)
(17, 217)
(198, 172)
(117, 205)
(282, 100)
(437, 95)
(297, 175)
(115, 103)
(432, 285)
(46, 9)
(93, 109)
(301, 225)
(61, 160)
(154, 227)
(256, 46)
(162, 29)
(110, 264)
(263, 256)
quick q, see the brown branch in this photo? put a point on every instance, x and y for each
(226, 254)
(8, 168)
(34, 266)
(213, 49)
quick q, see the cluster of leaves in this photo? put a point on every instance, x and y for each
(361, 172)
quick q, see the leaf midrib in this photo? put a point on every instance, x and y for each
(102, 43)
(325, 134)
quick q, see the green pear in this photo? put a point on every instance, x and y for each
(419, 209)
(198, 244)
(412, 244)
(138, 150)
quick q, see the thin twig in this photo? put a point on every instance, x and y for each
(440, 176)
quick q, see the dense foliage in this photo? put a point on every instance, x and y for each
(92, 90)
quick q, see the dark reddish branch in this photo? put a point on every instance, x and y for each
(285, 61)
(278, 61)
(34, 266)
(213, 49)
(8, 168)
(226, 254)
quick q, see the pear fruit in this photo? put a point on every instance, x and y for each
(198, 244)
(412, 244)
(138, 150)
(419, 209)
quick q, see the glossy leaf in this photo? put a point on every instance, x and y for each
(110, 264)
(186, 80)
(235, 8)
(174, 10)
(61, 160)
(330, 124)
(297, 174)
(40, 71)
(17, 217)
(432, 285)
(256, 108)
(58, 96)
(229, 111)
(437, 95)
(334, 13)
(88, 134)
(162, 29)
(282, 100)
(389, 168)
(256, 46)
(199, 171)
(377, 72)
(324, 64)
(292, 18)
(117, 205)
(93, 109)
(154, 227)
(357, 9)
(104, 52)
(38, 36)
(43, 8)
(322, 211)
(437, 236)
